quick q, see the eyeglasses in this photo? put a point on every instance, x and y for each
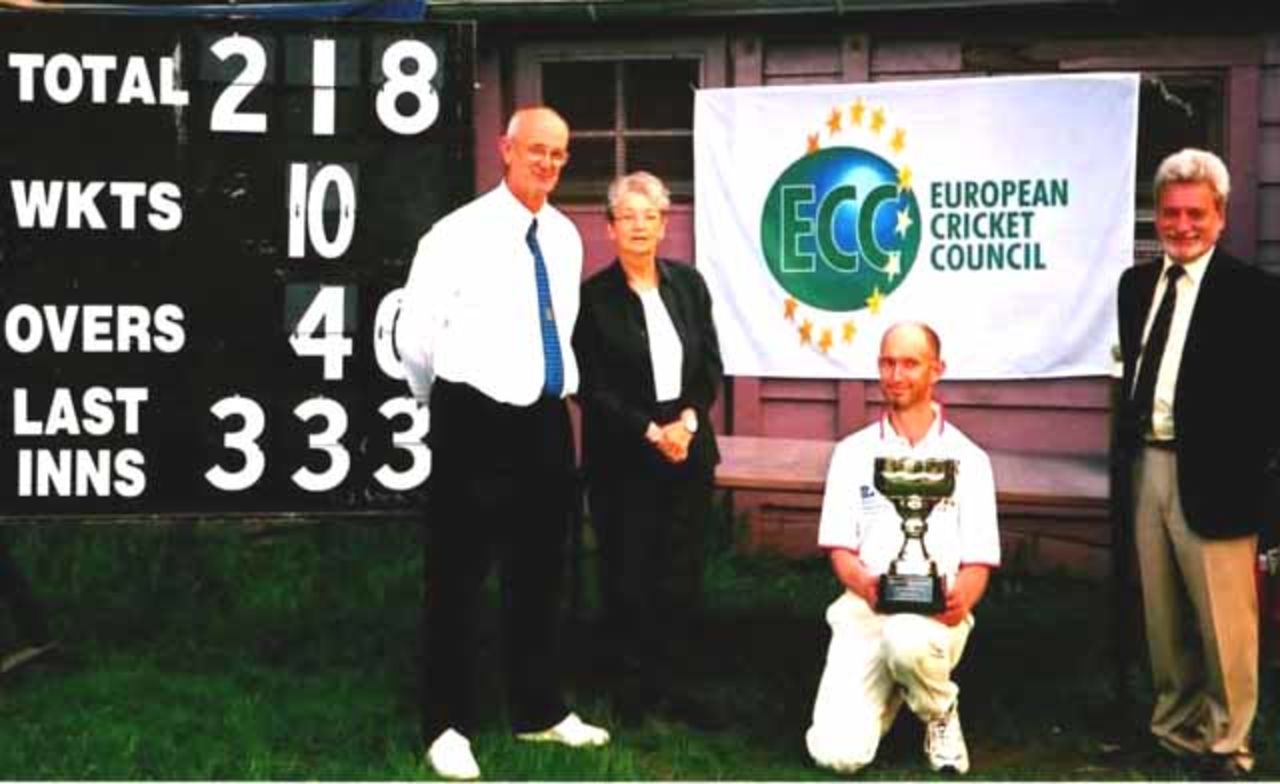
(541, 152)
(638, 217)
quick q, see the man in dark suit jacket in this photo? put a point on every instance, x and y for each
(1191, 327)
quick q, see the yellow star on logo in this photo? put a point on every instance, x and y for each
(904, 179)
(899, 141)
(877, 120)
(833, 122)
(893, 267)
(789, 309)
(874, 301)
(813, 144)
(849, 331)
(806, 332)
(904, 223)
(856, 111)
(825, 342)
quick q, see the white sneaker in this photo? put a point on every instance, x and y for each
(571, 731)
(451, 758)
(944, 743)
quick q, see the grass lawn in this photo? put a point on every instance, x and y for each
(218, 652)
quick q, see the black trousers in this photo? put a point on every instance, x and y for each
(500, 491)
(651, 527)
(28, 616)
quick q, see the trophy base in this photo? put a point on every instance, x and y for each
(911, 593)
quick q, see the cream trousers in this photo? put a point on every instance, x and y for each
(874, 664)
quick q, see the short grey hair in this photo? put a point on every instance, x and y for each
(1193, 165)
(641, 182)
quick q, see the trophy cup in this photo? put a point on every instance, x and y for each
(915, 487)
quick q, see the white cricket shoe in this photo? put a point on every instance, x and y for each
(944, 743)
(451, 758)
(571, 731)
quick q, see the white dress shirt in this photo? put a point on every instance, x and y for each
(470, 307)
(666, 353)
(1184, 305)
(855, 516)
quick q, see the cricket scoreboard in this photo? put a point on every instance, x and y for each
(204, 227)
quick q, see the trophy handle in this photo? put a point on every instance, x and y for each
(924, 529)
(902, 553)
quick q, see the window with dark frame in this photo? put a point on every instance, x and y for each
(1175, 110)
(626, 114)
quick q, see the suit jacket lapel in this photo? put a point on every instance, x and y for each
(674, 300)
(1144, 292)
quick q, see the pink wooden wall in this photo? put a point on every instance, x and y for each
(1056, 417)
(1067, 416)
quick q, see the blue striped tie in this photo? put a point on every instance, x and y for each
(553, 364)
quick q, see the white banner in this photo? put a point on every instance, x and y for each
(999, 210)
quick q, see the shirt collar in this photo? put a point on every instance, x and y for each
(515, 208)
(1195, 268)
(936, 428)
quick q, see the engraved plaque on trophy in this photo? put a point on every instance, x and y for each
(915, 487)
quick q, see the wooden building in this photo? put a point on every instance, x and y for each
(623, 73)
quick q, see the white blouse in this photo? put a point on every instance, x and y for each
(666, 354)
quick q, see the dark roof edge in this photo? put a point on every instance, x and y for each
(616, 10)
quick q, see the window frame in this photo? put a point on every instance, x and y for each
(1145, 242)
(708, 52)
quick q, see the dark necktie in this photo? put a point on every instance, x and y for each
(1144, 391)
(553, 364)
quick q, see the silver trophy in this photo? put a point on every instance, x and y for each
(915, 487)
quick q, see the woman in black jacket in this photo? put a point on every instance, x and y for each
(650, 371)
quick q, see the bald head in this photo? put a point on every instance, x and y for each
(924, 332)
(532, 115)
(910, 365)
(534, 150)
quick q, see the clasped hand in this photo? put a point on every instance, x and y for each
(671, 440)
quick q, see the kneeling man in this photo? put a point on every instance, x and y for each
(878, 660)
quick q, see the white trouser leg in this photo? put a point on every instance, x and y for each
(920, 654)
(872, 663)
(857, 700)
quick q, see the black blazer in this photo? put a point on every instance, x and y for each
(1226, 416)
(616, 389)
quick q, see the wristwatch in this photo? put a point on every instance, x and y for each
(690, 422)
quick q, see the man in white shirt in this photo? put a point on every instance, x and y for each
(484, 336)
(877, 661)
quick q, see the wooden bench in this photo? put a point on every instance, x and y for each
(1054, 509)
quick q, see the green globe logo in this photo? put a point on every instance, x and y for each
(840, 229)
